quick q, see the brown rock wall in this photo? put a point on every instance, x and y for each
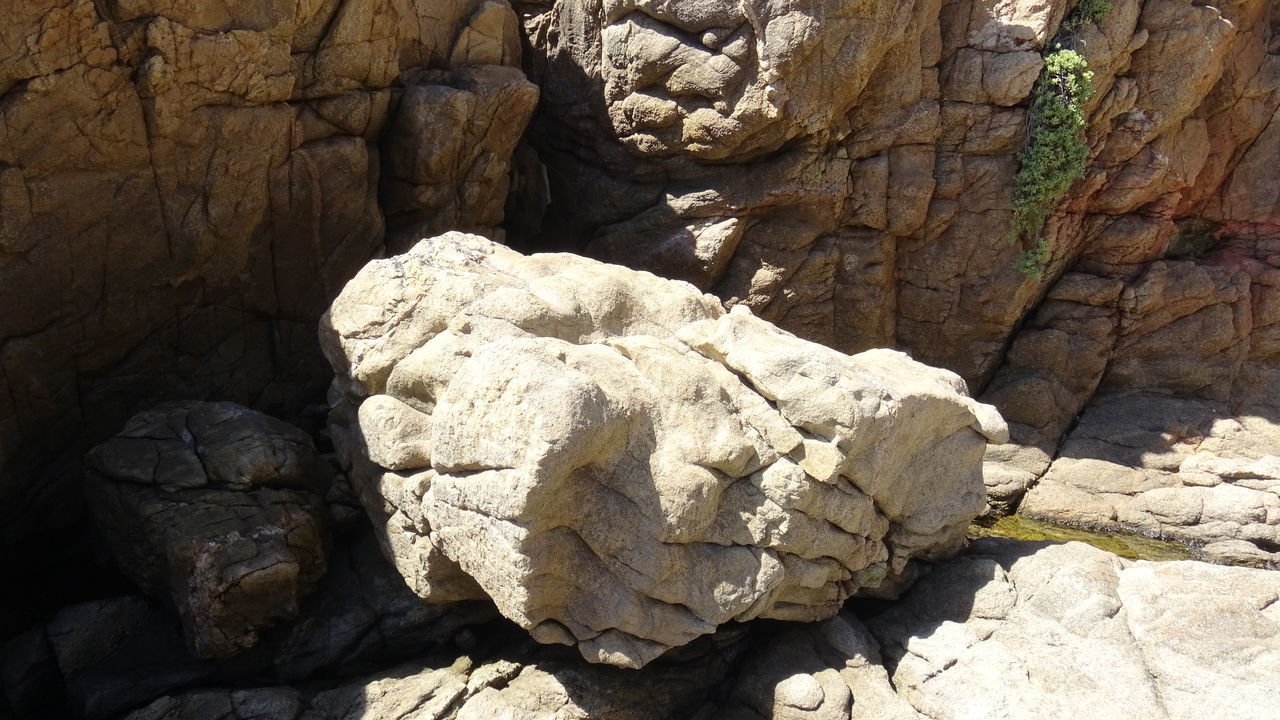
(184, 185)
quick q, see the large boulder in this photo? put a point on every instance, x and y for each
(622, 465)
(217, 509)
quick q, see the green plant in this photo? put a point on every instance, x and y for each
(1193, 240)
(1031, 263)
(1056, 153)
(1085, 12)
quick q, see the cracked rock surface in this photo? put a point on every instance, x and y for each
(622, 465)
(1176, 468)
(185, 185)
(1023, 630)
(1009, 629)
(100, 659)
(217, 509)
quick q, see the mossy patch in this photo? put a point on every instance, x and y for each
(1126, 545)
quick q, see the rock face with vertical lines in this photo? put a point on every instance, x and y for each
(622, 465)
(184, 187)
(847, 170)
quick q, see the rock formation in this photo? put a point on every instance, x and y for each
(184, 187)
(619, 463)
(217, 509)
(612, 459)
(1011, 629)
(1183, 469)
(849, 171)
(100, 659)
(1004, 632)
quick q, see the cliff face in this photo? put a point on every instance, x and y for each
(185, 185)
(852, 171)
(1072, 204)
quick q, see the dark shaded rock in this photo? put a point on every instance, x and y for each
(218, 509)
(102, 658)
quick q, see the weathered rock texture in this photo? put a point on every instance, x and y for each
(184, 186)
(1176, 468)
(1011, 630)
(100, 659)
(1003, 632)
(527, 688)
(846, 169)
(621, 464)
(218, 509)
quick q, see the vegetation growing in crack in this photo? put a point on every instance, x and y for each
(1085, 13)
(1194, 239)
(1055, 153)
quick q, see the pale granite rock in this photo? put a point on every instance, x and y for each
(1023, 630)
(622, 465)
(1182, 469)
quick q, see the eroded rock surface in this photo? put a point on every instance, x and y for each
(619, 463)
(1008, 629)
(100, 659)
(846, 168)
(1182, 469)
(184, 187)
(1021, 630)
(219, 510)
(529, 688)
(885, 223)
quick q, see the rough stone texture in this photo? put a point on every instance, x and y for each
(100, 659)
(1183, 469)
(526, 688)
(621, 464)
(1207, 330)
(862, 198)
(845, 168)
(218, 509)
(184, 186)
(823, 671)
(1009, 629)
(1007, 632)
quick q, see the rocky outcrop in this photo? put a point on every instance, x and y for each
(217, 509)
(1183, 362)
(545, 689)
(1007, 632)
(1181, 469)
(101, 659)
(847, 170)
(619, 463)
(184, 186)
(1009, 629)
(1028, 630)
